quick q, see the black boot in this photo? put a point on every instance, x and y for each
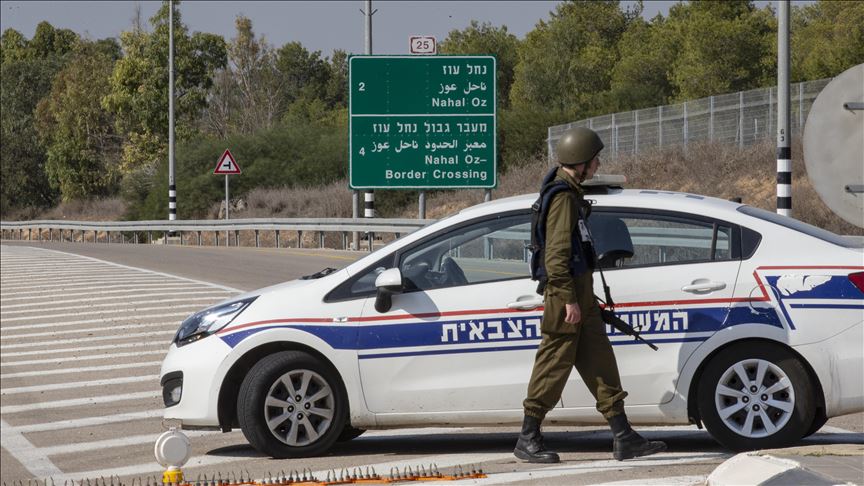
(627, 443)
(530, 446)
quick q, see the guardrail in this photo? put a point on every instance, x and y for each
(33, 230)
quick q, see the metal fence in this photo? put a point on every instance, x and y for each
(190, 231)
(742, 118)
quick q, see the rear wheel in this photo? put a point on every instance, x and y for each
(291, 405)
(756, 396)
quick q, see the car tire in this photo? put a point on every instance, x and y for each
(817, 424)
(741, 419)
(282, 426)
(349, 433)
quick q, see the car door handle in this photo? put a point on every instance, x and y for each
(527, 304)
(703, 286)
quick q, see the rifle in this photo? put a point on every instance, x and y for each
(610, 318)
(607, 312)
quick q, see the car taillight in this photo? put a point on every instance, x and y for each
(857, 280)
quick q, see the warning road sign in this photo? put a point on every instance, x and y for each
(227, 164)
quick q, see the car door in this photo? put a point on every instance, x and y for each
(676, 290)
(463, 334)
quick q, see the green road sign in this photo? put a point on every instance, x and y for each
(419, 122)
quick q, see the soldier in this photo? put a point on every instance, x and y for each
(573, 331)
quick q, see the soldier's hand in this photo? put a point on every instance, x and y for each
(574, 314)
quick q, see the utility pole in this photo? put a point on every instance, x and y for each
(369, 196)
(172, 188)
(784, 152)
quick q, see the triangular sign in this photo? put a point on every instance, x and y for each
(227, 164)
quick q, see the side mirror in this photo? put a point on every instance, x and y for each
(389, 282)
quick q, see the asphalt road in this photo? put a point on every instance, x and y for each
(84, 331)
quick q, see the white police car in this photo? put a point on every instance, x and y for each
(758, 320)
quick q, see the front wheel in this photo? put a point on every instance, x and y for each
(756, 396)
(291, 405)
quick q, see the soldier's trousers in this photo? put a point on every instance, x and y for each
(589, 351)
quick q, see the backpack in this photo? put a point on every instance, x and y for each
(539, 211)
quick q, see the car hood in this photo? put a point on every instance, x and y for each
(274, 288)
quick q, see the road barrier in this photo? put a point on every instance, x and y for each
(135, 231)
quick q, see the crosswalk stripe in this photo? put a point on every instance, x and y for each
(77, 402)
(86, 349)
(78, 384)
(63, 371)
(88, 421)
(114, 321)
(71, 359)
(138, 298)
(87, 340)
(105, 311)
(140, 289)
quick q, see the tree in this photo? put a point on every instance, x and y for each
(721, 47)
(336, 90)
(827, 38)
(139, 87)
(566, 61)
(305, 73)
(25, 75)
(82, 147)
(22, 157)
(260, 89)
(640, 78)
(484, 38)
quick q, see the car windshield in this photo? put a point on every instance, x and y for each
(802, 227)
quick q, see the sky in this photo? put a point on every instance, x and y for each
(318, 25)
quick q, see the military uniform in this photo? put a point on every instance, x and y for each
(585, 344)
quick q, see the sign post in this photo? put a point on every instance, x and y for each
(422, 122)
(228, 166)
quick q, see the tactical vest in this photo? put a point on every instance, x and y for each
(581, 259)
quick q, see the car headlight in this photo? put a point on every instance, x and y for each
(209, 321)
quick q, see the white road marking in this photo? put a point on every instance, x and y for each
(26, 453)
(827, 429)
(671, 481)
(112, 329)
(97, 357)
(199, 282)
(86, 349)
(137, 298)
(132, 319)
(90, 283)
(659, 460)
(103, 312)
(78, 384)
(121, 442)
(88, 340)
(56, 275)
(140, 289)
(89, 421)
(77, 402)
(62, 371)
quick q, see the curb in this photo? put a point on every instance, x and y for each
(765, 470)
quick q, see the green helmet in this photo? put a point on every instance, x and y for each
(577, 146)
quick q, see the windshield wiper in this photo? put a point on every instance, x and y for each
(322, 273)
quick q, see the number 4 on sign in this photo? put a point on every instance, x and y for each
(227, 164)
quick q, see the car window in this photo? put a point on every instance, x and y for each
(800, 226)
(485, 251)
(657, 240)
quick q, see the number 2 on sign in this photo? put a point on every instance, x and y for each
(361, 87)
